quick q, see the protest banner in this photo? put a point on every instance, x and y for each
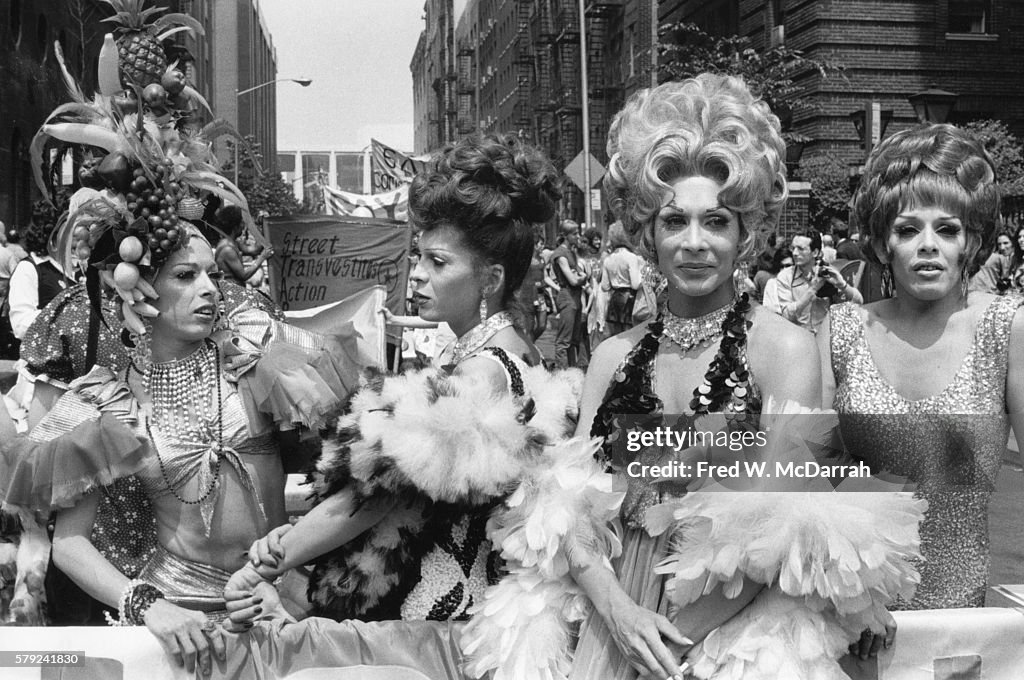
(392, 168)
(320, 259)
(393, 205)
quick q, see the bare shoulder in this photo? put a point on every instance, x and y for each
(784, 358)
(484, 369)
(1017, 325)
(610, 353)
(780, 340)
(514, 342)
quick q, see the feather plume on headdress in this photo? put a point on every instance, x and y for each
(156, 167)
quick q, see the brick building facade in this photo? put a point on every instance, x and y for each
(516, 65)
(32, 85)
(890, 49)
(433, 78)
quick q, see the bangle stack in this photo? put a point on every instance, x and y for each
(137, 598)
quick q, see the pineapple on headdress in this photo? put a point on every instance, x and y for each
(139, 51)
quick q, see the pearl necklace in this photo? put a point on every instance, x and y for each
(691, 332)
(184, 401)
(479, 335)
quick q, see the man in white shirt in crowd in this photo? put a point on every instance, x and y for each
(808, 288)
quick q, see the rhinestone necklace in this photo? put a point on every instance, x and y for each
(691, 332)
(479, 335)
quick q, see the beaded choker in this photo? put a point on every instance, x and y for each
(186, 400)
(701, 330)
(479, 335)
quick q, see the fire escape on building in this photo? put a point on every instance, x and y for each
(523, 60)
(605, 88)
(466, 121)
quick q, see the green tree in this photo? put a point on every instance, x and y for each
(1007, 153)
(686, 51)
(830, 189)
(265, 191)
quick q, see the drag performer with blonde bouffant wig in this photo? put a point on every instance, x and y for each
(771, 581)
(195, 413)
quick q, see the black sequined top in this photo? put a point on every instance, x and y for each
(631, 403)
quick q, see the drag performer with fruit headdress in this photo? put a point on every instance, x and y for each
(194, 414)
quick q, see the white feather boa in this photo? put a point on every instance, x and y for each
(565, 504)
(832, 561)
(431, 437)
(450, 437)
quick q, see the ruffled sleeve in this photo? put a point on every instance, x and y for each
(294, 376)
(86, 441)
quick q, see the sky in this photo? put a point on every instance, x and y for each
(357, 53)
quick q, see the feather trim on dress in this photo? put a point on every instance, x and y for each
(427, 438)
(565, 506)
(831, 562)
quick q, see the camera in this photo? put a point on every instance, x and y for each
(827, 289)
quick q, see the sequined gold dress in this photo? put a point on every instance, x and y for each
(949, 445)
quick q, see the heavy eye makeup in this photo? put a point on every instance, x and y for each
(672, 218)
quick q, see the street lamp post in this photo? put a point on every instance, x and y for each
(933, 105)
(304, 82)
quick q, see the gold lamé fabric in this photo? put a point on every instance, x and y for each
(948, 446)
(186, 583)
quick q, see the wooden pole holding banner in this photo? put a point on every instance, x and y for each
(396, 364)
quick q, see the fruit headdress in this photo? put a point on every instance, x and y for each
(147, 165)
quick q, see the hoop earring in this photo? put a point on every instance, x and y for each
(888, 282)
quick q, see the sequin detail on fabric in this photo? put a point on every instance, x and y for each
(950, 445)
(515, 376)
(632, 395)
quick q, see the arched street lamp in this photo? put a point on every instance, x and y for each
(304, 82)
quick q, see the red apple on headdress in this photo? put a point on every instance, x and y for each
(116, 171)
(155, 96)
(173, 81)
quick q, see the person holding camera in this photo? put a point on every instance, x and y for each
(808, 288)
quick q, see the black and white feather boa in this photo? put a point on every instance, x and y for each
(429, 440)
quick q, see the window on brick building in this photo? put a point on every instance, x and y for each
(970, 16)
(719, 17)
(777, 23)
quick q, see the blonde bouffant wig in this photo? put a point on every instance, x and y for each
(709, 126)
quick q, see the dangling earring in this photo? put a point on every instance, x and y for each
(964, 283)
(220, 321)
(888, 282)
(142, 355)
(483, 306)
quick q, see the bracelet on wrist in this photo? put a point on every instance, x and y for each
(137, 597)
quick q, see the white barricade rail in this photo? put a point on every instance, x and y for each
(961, 644)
